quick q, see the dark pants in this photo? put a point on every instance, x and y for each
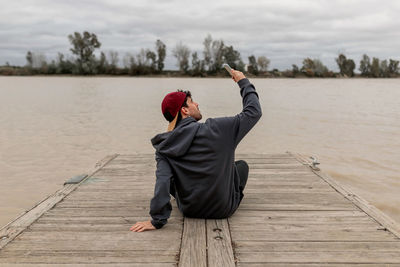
(243, 170)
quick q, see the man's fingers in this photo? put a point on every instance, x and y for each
(135, 226)
(137, 229)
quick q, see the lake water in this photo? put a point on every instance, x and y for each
(53, 128)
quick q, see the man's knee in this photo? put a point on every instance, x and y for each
(243, 164)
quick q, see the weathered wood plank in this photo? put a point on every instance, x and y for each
(321, 235)
(79, 256)
(299, 214)
(277, 264)
(163, 234)
(257, 246)
(322, 257)
(245, 156)
(88, 227)
(219, 244)
(288, 215)
(372, 211)
(120, 245)
(194, 247)
(131, 264)
(100, 220)
(316, 206)
(13, 229)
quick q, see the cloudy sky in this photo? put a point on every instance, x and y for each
(286, 31)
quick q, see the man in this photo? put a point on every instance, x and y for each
(195, 161)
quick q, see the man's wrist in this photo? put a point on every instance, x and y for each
(157, 225)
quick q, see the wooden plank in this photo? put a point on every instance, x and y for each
(372, 211)
(219, 244)
(277, 264)
(382, 257)
(322, 235)
(88, 227)
(257, 246)
(100, 220)
(283, 220)
(194, 246)
(131, 264)
(299, 214)
(14, 228)
(265, 207)
(77, 256)
(245, 156)
(306, 197)
(297, 227)
(120, 245)
(164, 234)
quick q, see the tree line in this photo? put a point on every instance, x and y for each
(84, 61)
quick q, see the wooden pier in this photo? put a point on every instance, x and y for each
(291, 215)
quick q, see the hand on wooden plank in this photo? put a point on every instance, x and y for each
(142, 226)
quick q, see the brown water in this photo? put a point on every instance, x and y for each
(55, 128)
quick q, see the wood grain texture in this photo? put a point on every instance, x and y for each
(194, 243)
(219, 244)
(89, 223)
(295, 216)
(291, 215)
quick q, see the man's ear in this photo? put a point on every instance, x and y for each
(185, 111)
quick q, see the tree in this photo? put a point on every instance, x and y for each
(161, 53)
(393, 67)
(341, 61)
(232, 58)
(151, 56)
(349, 68)
(64, 66)
(384, 69)
(375, 67)
(263, 63)
(295, 69)
(84, 46)
(102, 66)
(346, 66)
(207, 52)
(365, 66)
(320, 69)
(197, 65)
(253, 67)
(130, 63)
(29, 59)
(182, 53)
(314, 67)
(217, 53)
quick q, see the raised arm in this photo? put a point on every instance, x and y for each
(232, 129)
(251, 112)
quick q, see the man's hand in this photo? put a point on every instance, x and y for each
(237, 75)
(142, 226)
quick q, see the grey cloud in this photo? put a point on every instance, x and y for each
(286, 31)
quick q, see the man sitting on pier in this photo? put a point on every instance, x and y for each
(195, 161)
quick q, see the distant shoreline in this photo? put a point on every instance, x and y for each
(250, 76)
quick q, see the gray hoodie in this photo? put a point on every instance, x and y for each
(197, 159)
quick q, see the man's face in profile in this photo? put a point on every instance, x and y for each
(193, 108)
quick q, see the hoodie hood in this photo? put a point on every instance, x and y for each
(177, 142)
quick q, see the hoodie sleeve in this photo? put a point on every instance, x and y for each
(160, 206)
(251, 112)
(236, 127)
